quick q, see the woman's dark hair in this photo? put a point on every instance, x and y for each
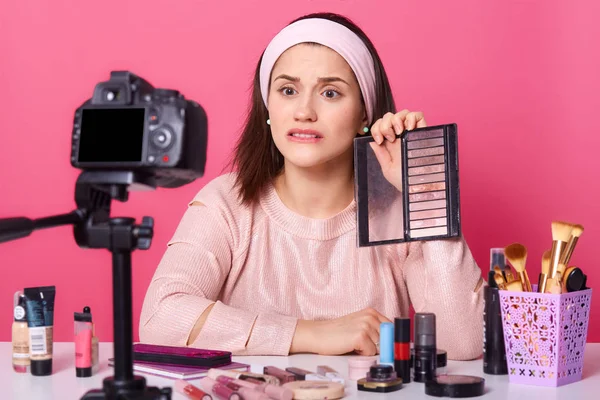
(256, 158)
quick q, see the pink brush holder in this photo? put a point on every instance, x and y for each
(545, 336)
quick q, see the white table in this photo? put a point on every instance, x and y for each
(63, 385)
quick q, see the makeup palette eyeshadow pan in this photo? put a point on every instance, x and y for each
(424, 203)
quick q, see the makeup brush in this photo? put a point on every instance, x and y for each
(516, 253)
(515, 286)
(508, 274)
(499, 279)
(561, 268)
(561, 232)
(499, 271)
(545, 271)
(553, 287)
(568, 252)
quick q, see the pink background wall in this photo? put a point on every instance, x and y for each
(520, 78)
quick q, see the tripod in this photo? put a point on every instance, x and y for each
(94, 228)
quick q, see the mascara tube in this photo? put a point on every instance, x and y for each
(494, 353)
(425, 347)
(402, 348)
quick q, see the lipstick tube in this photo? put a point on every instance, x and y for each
(220, 390)
(213, 373)
(283, 376)
(190, 391)
(330, 373)
(299, 373)
(248, 393)
(402, 348)
(271, 391)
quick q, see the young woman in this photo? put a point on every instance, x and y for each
(264, 260)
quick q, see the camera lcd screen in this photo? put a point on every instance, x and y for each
(111, 135)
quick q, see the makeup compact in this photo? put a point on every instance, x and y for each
(315, 390)
(381, 378)
(424, 202)
(574, 279)
(455, 386)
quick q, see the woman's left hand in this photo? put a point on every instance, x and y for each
(387, 148)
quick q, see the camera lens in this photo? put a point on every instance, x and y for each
(162, 138)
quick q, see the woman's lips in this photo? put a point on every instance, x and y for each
(304, 136)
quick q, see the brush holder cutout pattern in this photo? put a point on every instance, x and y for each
(545, 336)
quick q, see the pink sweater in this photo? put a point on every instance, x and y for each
(265, 267)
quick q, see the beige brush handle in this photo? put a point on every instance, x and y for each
(542, 283)
(525, 281)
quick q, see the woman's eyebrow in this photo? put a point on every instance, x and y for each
(329, 79)
(326, 79)
(288, 78)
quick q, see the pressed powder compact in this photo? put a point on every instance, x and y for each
(315, 390)
(455, 386)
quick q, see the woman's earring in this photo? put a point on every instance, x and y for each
(269, 122)
(365, 129)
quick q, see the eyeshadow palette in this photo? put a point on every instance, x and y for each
(424, 201)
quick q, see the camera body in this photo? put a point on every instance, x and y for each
(128, 125)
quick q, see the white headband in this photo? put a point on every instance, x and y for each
(333, 35)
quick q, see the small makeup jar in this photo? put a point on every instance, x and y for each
(381, 378)
(358, 367)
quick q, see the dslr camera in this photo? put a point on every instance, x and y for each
(128, 125)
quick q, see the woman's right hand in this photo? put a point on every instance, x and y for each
(357, 332)
(386, 148)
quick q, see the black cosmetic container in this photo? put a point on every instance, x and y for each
(494, 353)
(425, 347)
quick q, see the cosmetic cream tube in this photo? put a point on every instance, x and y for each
(20, 335)
(386, 343)
(40, 319)
(83, 344)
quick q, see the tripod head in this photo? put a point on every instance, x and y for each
(127, 137)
